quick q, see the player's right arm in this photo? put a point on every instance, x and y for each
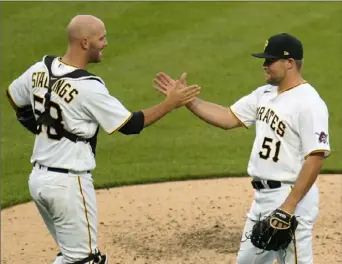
(241, 113)
(214, 114)
(113, 116)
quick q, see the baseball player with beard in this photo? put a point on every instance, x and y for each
(64, 105)
(290, 145)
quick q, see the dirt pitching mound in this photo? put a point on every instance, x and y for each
(180, 222)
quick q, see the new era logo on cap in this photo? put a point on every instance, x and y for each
(282, 46)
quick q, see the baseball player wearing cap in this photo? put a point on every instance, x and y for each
(64, 105)
(291, 142)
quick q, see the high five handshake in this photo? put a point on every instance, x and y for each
(211, 113)
(177, 93)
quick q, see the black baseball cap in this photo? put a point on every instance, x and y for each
(282, 46)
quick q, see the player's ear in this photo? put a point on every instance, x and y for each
(85, 44)
(290, 63)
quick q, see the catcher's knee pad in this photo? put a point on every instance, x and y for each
(96, 258)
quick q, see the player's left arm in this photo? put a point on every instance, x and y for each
(313, 131)
(305, 180)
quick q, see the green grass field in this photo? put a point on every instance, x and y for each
(212, 42)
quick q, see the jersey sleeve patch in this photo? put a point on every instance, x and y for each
(314, 129)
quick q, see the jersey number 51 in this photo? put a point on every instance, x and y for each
(267, 147)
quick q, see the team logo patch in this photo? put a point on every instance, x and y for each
(322, 137)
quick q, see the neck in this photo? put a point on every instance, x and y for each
(75, 58)
(288, 83)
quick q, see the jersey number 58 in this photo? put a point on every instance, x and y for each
(56, 113)
(267, 148)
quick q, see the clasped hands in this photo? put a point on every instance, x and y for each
(176, 91)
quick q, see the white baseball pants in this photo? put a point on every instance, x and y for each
(67, 204)
(298, 252)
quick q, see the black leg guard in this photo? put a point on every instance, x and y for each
(103, 260)
(96, 258)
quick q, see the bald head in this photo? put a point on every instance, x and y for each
(83, 26)
(87, 39)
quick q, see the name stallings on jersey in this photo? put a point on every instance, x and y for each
(269, 116)
(61, 87)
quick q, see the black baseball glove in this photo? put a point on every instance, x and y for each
(26, 117)
(275, 232)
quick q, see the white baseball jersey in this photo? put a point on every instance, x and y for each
(81, 103)
(289, 126)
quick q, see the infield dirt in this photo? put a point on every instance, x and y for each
(170, 223)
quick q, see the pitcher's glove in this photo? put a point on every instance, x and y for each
(25, 116)
(275, 232)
